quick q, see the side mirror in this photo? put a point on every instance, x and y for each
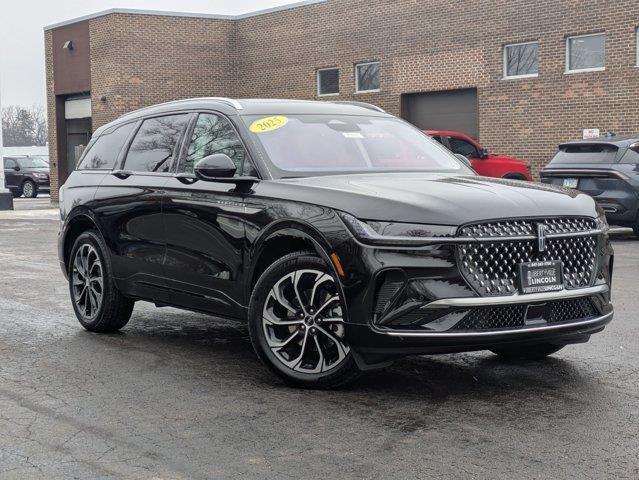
(17, 168)
(214, 167)
(464, 160)
(483, 153)
(634, 147)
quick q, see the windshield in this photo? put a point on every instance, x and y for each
(32, 162)
(298, 145)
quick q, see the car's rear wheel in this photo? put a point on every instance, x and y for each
(527, 352)
(97, 303)
(514, 176)
(29, 189)
(296, 323)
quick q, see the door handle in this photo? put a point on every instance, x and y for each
(122, 174)
(186, 178)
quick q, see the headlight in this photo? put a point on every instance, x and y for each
(41, 176)
(395, 233)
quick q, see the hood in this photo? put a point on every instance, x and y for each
(431, 198)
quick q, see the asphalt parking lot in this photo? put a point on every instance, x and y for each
(179, 395)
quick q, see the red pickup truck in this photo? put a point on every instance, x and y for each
(485, 164)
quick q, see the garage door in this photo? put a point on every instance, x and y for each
(451, 110)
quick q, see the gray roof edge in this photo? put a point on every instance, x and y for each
(160, 13)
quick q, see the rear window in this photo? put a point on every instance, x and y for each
(586, 153)
(104, 152)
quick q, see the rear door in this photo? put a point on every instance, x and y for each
(205, 223)
(129, 205)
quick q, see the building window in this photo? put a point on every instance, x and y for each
(367, 77)
(521, 60)
(328, 81)
(586, 53)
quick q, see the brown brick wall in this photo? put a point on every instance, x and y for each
(51, 115)
(138, 60)
(438, 45)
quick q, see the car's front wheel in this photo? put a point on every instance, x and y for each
(29, 189)
(527, 352)
(97, 303)
(296, 323)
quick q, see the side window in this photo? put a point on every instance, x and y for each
(105, 150)
(215, 134)
(437, 138)
(10, 163)
(467, 149)
(631, 156)
(154, 145)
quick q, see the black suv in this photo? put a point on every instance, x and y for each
(606, 168)
(344, 236)
(26, 176)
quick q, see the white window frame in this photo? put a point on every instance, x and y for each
(505, 61)
(584, 70)
(363, 64)
(317, 81)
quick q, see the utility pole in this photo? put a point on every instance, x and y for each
(6, 198)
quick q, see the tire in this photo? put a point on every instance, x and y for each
(527, 352)
(100, 308)
(16, 193)
(292, 351)
(514, 176)
(29, 189)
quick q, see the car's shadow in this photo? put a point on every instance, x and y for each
(211, 347)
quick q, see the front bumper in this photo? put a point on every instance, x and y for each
(423, 322)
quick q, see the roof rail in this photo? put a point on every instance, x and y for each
(369, 106)
(229, 101)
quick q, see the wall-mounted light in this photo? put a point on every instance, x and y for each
(68, 45)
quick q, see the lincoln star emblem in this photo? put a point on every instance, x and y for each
(541, 237)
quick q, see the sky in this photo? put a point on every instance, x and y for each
(22, 73)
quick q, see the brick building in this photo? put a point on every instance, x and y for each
(520, 75)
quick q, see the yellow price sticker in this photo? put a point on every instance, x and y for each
(268, 124)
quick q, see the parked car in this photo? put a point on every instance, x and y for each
(343, 235)
(607, 169)
(484, 163)
(26, 176)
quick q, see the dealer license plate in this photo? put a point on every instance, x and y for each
(571, 182)
(537, 277)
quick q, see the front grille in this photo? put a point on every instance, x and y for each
(492, 267)
(513, 228)
(513, 316)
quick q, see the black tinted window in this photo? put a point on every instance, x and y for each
(10, 163)
(105, 150)
(155, 144)
(215, 134)
(328, 81)
(586, 153)
(467, 149)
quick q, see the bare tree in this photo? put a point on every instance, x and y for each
(24, 126)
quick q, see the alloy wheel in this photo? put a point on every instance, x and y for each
(303, 322)
(88, 281)
(27, 189)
